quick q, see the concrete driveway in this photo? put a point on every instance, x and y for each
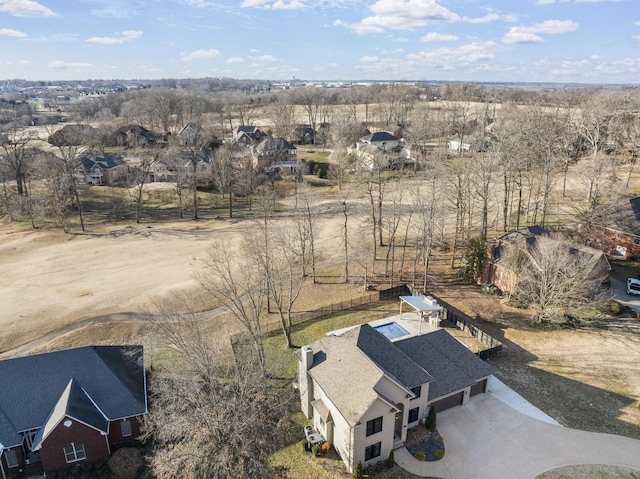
(488, 439)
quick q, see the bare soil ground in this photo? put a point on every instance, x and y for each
(51, 281)
(587, 378)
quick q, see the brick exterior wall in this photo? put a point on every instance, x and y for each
(115, 431)
(14, 471)
(52, 452)
(607, 240)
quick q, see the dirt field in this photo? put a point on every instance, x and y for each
(50, 280)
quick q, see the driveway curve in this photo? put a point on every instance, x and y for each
(487, 439)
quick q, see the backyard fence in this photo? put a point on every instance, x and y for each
(301, 317)
(465, 323)
(453, 315)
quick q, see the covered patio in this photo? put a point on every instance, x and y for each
(427, 308)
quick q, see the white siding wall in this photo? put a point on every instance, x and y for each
(361, 441)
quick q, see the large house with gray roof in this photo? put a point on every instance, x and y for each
(65, 408)
(363, 391)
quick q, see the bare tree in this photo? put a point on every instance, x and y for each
(227, 165)
(311, 99)
(555, 278)
(17, 153)
(70, 147)
(214, 416)
(282, 112)
(306, 227)
(231, 280)
(138, 175)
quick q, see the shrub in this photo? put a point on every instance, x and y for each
(615, 308)
(439, 454)
(51, 475)
(75, 470)
(357, 471)
(325, 447)
(430, 423)
(420, 456)
(315, 450)
(125, 463)
(391, 460)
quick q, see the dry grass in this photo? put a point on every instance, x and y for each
(591, 472)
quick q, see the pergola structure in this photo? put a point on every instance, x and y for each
(426, 306)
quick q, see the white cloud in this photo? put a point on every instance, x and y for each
(235, 60)
(530, 34)
(548, 2)
(438, 37)
(489, 17)
(200, 55)
(264, 58)
(637, 23)
(635, 37)
(403, 15)
(277, 5)
(114, 8)
(24, 8)
(24, 62)
(449, 58)
(9, 32)
(60, 65)
(369, 59)
(384, 51)
(122, 38)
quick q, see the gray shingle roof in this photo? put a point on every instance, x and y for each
(105, 161)
(31, 386)
(348, 367)
(451, 364)
(274, 144)
(380, 136)
(75, 403)
(392, 360)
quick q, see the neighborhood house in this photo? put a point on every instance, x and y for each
(363, 390)
(65, 408)
(505, 258)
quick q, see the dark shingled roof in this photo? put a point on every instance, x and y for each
(451, 364)
(33, 386)
(106, 161)
(390, 359)
(380, 136)
(74, 403)
(274, 144)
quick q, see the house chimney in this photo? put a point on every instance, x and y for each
(304, 380)
(307, 357)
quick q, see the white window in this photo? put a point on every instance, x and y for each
(74, 452)
(125, 427)
(12, 458)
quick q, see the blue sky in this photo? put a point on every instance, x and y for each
(586, 41)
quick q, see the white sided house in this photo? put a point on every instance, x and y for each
(363, 391)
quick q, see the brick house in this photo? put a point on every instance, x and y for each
(275, 154)
(247, 135)
(101, 168)
(64, 408)
(505, 257)
(613, 227)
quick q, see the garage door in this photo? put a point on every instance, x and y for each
(479, 387)
(446, 403)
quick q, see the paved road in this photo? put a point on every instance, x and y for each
(619, 288)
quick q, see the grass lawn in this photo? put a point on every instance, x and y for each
(282, 362)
